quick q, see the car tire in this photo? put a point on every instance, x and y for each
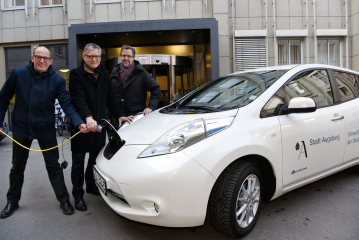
(228, 198)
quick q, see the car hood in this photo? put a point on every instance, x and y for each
(149, 128)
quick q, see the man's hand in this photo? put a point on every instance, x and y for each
(0, 129)
(91, 124)
(83, 128)
(125, 119)
(147, 111)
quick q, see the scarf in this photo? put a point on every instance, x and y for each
(94, 71)
(126, 72)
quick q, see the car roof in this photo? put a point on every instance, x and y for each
(300, 66)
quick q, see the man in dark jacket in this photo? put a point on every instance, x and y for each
(130, 84)
(90, 91)
(36, 87)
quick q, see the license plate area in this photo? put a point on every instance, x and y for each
(100, 181)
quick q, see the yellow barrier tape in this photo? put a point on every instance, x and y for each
(44, 149)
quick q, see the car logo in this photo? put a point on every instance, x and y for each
(302, 149)
(299, 170)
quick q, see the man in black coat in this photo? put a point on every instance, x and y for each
(130, 84)
(90, 91)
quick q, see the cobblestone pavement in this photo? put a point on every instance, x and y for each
(327, 209)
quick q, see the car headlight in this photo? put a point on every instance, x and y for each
(186, 135)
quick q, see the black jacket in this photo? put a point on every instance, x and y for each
(90, 97)
(33, 115)
(131, 98)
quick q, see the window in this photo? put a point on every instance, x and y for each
(44, 3)
(232, 91)
(273, 105)
(314, 84)
(15, 57)
(59, 54)
(8, 4)
(289, 52)
(329, 51)
(347, 85)
(100, 1)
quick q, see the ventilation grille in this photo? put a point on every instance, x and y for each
(250, 53)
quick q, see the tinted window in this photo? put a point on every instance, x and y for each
(17, 57)
(274, 104)
(59, 54)
(347, 85)
(314, 84)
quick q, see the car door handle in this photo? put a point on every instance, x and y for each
(338, 118)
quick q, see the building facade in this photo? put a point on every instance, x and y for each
(220, 36)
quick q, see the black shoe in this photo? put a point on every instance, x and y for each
(66, 207)
(94, 191)
(80, 204)
(9, 209)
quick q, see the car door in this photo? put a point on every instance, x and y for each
(312, 142)
(348, 91)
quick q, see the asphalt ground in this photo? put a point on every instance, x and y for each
(326, 209)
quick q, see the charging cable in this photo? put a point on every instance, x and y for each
(44, 149)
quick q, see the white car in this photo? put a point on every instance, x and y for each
(231, 144)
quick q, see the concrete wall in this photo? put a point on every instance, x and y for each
(51, 24)
(354, 34)
(291, 14)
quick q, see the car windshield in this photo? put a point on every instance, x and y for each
(230, 92)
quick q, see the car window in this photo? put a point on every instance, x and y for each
(273, 105)
(230, 92)
(314, 84)
(347, 85)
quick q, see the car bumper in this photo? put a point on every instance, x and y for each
(177, 184)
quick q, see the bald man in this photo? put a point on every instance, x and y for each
(36, 86)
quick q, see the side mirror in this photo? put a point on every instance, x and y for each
(299, 105)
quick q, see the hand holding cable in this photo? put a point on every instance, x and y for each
(83, 128)
(91, 124)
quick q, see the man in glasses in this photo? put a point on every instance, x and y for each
(130, 84)
(90, 91)
(36, 86)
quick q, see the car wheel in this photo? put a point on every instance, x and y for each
(236, 199)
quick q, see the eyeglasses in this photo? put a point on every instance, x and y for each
(93, 56)
(38, 58)
(126, 56)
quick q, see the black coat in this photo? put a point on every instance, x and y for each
(34, 116)
(91, 97)
(131, 98)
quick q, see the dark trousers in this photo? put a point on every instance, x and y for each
(78, 175)
(19, 160)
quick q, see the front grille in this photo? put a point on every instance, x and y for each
(119, 196)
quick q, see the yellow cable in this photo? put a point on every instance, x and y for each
(44, 149)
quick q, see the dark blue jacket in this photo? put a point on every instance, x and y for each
(33, 116)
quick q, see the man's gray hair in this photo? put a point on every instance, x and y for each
(91, 46)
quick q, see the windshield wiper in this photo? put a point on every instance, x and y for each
(212, 109)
